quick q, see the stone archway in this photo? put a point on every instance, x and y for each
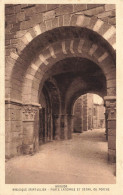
(86, 45)
(81, 108)
(82, 38)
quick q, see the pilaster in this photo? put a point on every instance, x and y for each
(110, 104)
(56, 122)
(30, 128)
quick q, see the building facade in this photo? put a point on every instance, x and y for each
(87, 114)
(98, 116)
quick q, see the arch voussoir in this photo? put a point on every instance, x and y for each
(105, 30)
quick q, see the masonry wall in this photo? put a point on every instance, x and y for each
(98, 116)
(14, 129)
(78, 125)
(83, 114)
(21, 18)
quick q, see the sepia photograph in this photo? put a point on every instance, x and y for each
(60, 94)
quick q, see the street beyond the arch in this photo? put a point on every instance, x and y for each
(80, 160)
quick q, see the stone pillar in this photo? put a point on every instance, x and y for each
(85, 113)
(49, 126)
(56, 127)
(30, 129)
(69, 126)
(106, 125)
(62, 126)
(13, 128)
(66, 126)
(110, 104)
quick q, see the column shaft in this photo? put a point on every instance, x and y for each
(30, 129)
(56, 126)
(110, 104)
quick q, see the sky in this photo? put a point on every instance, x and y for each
(97, 99)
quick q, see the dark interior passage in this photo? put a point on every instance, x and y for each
(67, 80)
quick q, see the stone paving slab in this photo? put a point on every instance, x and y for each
(81, 160)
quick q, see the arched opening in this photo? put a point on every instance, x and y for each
(89, 113)
(50, 101)
(78, 75)
(53, 70)
(46, 50)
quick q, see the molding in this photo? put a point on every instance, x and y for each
(20, 103)
(113, 119)
(109, 98)
(32, 104)
(12, 101)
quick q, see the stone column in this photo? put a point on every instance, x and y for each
(85, 114)
(56, 118)
(62, 126)
(69, 126)
(49, 126)
(30, 129)
(106, 125)
(13, 128)
(110, 104)
(66, 126)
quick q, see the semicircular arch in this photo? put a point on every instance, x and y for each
(74, 47)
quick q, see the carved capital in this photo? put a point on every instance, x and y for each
(110, 104)
(29, 112)
(71, 116)
(111, 109)
(56, 116)
(112, 114)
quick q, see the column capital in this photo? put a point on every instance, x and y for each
(56, 115)
(70, 116)
(110, 104)
(29, 112)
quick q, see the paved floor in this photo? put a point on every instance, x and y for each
(82, 160)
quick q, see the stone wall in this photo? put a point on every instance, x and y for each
(78, 125)
(99, 116)
(83, 113)
(14, 129)
(21, 18)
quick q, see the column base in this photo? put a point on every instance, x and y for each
(112, 155)
(28, 149)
